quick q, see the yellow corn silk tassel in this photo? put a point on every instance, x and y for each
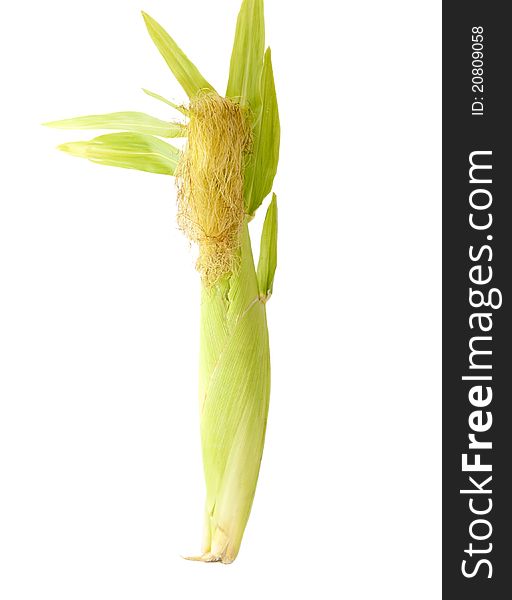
(223, 174)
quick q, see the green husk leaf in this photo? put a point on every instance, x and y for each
(182, 109)
(184, 70)
(247, 55)
(137, 122)
(261, 170)
(129, 151)
(234, 394)
(267, 261)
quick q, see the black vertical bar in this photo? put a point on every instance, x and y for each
(469, 127)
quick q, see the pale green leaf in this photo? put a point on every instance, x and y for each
(127, 121)
(182, 109)
(247, 55)
(185, 71)
(267, 261)
(129, 151)
(261, 170)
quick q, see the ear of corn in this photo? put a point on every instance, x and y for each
(234, 389)
(224, 173)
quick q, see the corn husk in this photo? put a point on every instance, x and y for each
(234, 391)
(224, 173)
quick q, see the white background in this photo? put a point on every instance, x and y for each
(100, 470)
